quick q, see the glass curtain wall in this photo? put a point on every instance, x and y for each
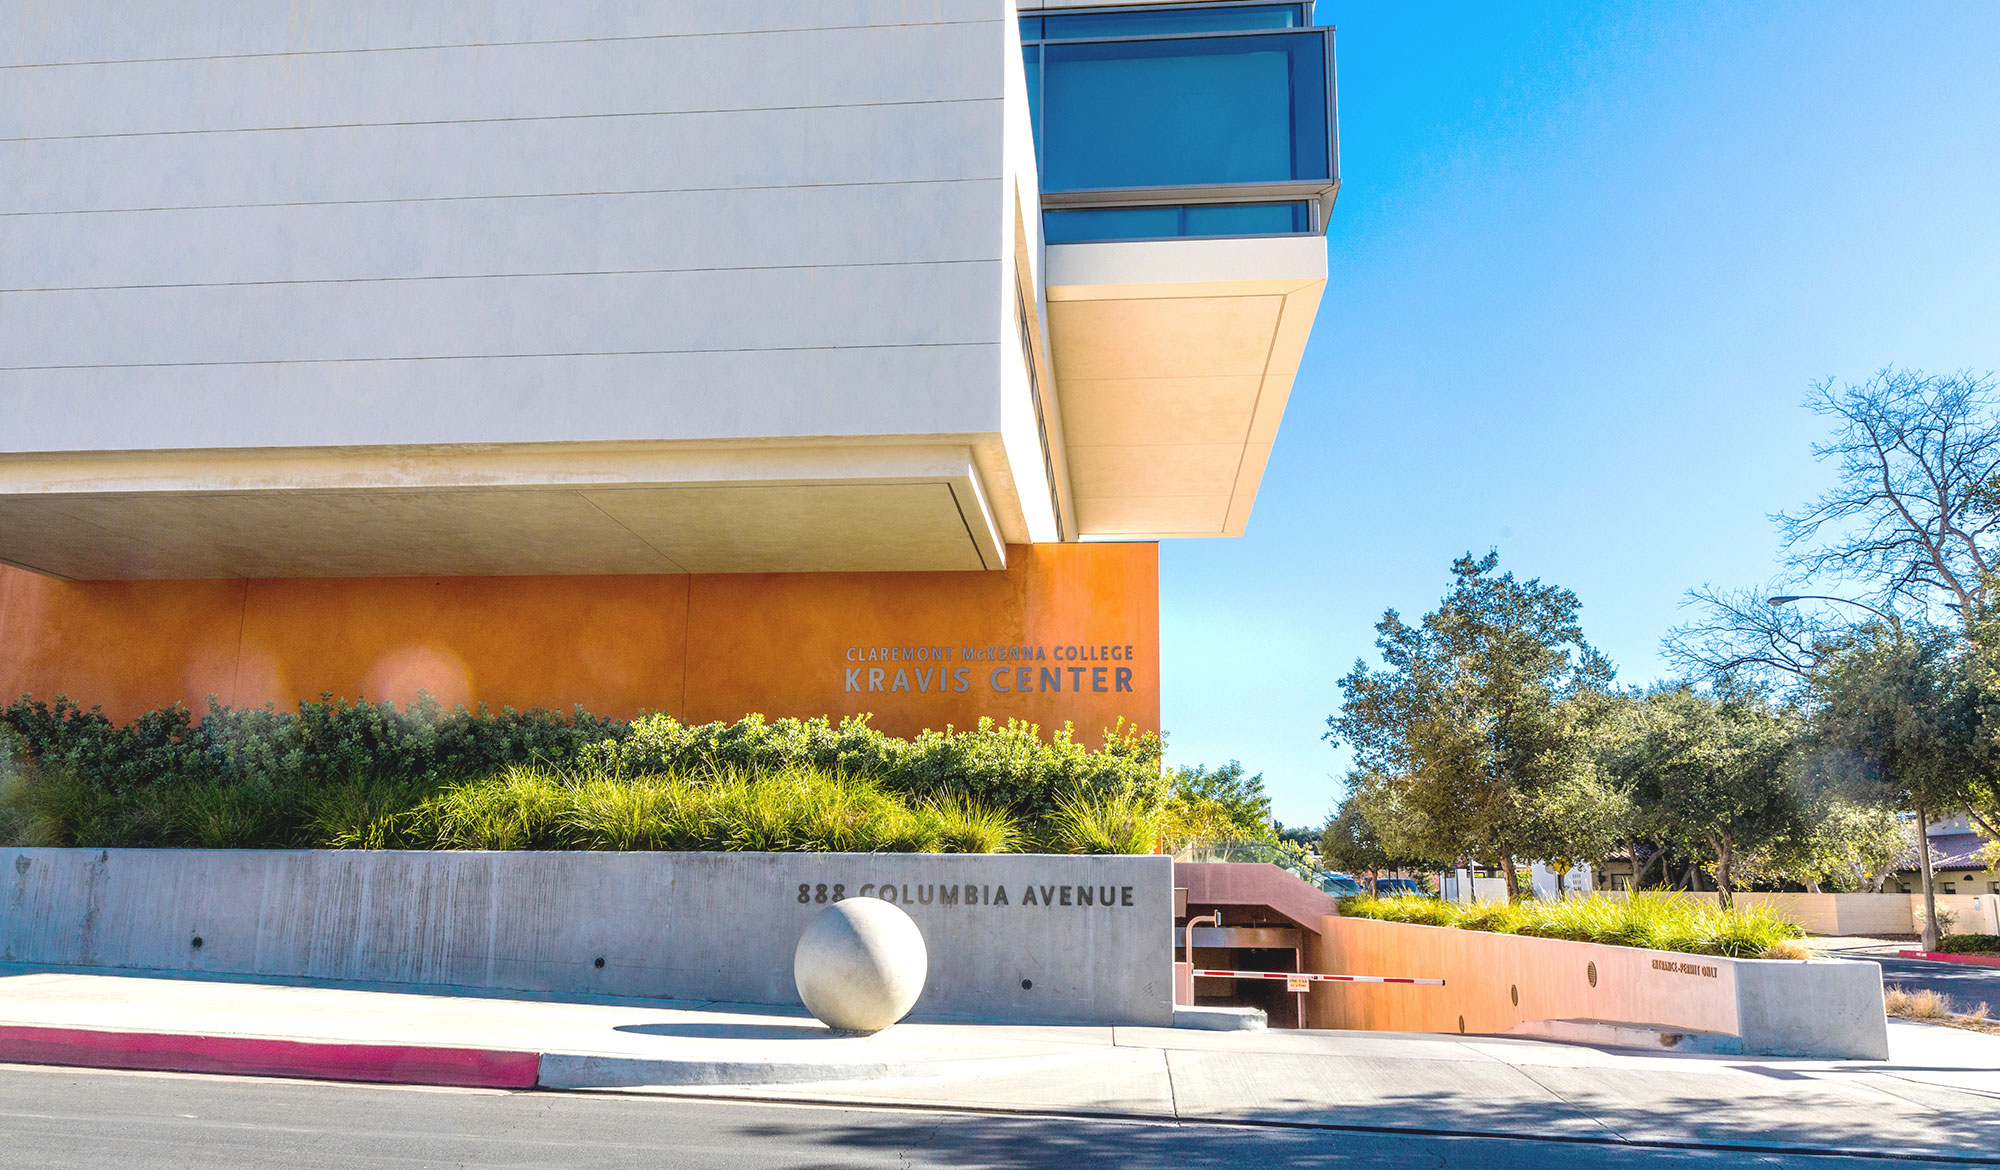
(1136, 103)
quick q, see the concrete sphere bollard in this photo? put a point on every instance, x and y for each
(860, 965)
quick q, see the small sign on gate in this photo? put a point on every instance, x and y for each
(1298, 983)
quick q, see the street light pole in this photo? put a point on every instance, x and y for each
(1930, 930)
(1895, 622)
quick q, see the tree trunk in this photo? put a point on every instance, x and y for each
(1513, 878)
(1930, 935)
(1658, 858)
(1720, 842)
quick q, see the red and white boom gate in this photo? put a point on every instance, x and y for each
(1295, 980)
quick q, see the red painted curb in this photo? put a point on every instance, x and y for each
(246, 1056)
(1940, 957)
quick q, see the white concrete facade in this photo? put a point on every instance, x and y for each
(355, 236)
(373, 251)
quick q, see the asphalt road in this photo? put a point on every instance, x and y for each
(1967, 985)
(64, 1119)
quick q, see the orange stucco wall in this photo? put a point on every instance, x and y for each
(700, 647)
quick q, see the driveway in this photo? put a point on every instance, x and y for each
(1968, 985)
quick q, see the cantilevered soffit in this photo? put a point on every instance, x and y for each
(556, 509)
(1175, 359)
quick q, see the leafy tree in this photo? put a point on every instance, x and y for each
(1914, 520)
(1888, 721)
(1978, 717)
(1574, 821)
(1300, 835)
(1858, 845)
(1371, 831)
(1710, 773)
(1474, 711)
(1349, 842)
(1217, 804)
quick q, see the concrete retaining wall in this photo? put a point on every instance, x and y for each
(1496, 983)
(1010, 937)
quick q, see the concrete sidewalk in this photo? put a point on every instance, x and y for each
(1939, 1094)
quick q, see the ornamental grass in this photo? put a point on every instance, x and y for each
(333, 774)
(788, 808)
(1651, 921)
(798, 809)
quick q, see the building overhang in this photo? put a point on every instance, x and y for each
(507, 510)
(1174, 360)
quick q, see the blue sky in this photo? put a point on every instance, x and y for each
(1584, 263)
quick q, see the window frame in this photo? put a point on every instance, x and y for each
(1315, 222)
(1304, 7)
(1320, 191)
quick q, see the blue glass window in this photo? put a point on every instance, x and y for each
(1088, 224)
(1181, 111)
(1163, 22)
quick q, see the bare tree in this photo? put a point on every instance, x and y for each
(1913, 520)
(1739, 634)
(1914, 512)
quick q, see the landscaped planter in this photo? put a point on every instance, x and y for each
(1501, 983)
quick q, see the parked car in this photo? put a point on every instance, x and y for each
(1340, 885)
(1398, 888)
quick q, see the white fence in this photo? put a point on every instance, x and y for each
(1865, 915)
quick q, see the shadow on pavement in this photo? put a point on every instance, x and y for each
(1076, 1143)
(1667, 1107)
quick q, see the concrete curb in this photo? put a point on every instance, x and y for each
(479, 1068)
(256, 1056)
(1941, 957)
(567, 1071)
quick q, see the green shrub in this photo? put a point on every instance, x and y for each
(55, 807)
(1969, 944)
(1104, 823)
(1008, 767)
(13, 765)
(1496, 917)
(797, 809)
(372, 775)
(361, 814)
(521, 807)
(645, 812)
(318, 743)
(214, 815)
(1655, 922)
(966, 826)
